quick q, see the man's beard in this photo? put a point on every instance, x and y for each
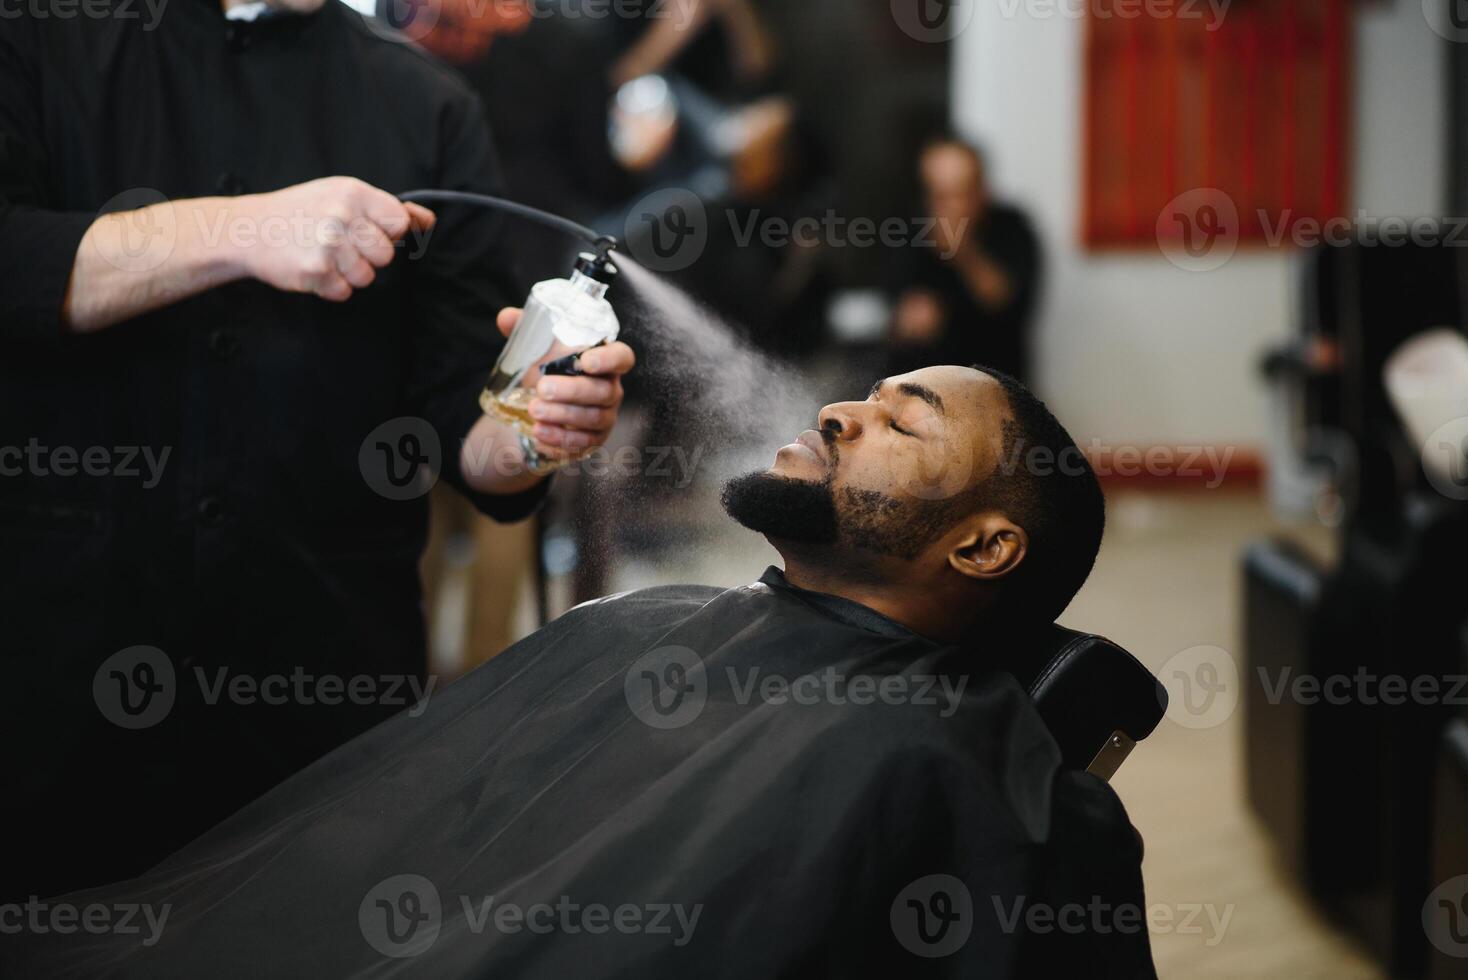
(783, 508)
(805, 512)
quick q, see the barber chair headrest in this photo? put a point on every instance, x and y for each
(1097, 700)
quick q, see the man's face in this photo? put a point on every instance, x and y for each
(888, 475)
(953, 185)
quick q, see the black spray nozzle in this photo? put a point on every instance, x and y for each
(597, 265)
(570, 364)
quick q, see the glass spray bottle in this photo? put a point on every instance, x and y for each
(562, 317)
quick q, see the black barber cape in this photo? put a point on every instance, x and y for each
(677, 782)
(234, 483)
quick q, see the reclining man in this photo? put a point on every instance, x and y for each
(823, 773)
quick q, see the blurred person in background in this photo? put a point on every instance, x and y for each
(968, 292)
(181, 639)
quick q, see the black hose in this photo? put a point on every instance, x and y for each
(603, 243)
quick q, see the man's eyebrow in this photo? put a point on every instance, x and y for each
(926, 394)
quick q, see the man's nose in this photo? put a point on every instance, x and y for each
(842, 419)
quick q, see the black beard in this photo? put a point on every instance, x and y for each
(783, 508)
(801, 511)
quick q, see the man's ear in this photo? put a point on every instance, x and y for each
(991, 547)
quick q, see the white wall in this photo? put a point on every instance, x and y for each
(1129, 348)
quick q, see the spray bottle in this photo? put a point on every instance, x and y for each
(562, 318)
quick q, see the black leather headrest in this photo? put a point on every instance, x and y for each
(1087, 689)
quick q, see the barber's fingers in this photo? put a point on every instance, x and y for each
(394, 217)
(569, 441)
(333, 286)
(353, 267)
(613, 359)
(369, 238)
(508, 317)
(584, 417)
(583, 390)
(419, 217)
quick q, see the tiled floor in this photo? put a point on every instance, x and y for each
(1167, 580)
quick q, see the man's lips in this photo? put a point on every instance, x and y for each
(810, 440)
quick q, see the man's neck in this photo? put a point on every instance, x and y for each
(914, 604)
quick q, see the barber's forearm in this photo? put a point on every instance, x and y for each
(493, 462)
(134, 262)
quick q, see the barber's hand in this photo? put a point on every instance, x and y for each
(327, 237)
(575, 414)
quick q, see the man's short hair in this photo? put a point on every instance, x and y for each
(1045, 484)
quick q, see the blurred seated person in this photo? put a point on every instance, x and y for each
(968, 294)
(820, 774)
(567, 93)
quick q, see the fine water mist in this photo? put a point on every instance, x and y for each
(736, 402)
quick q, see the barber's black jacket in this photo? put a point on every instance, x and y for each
(200, 480)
